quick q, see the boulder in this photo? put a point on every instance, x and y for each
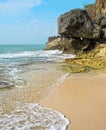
(78, 24)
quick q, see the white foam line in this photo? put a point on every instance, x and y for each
(52, 55)
(31, 115)
(60, 80)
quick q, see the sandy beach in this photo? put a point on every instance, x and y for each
(82, 99)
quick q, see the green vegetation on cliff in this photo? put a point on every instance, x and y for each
(88, 6)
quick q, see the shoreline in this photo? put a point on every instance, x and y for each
(81, 98)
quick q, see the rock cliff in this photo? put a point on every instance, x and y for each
(100, 7)
(78, 31)
(96, 9)
(83, 32)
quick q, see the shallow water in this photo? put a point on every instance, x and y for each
(25, 78)
(39, 79)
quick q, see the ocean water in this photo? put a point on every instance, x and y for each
(27, 73)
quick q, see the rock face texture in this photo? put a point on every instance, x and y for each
(60, 43)
(101, 21)
(91, 10)
(93, 61)
(78, 24)
(75, 23)
(96, 9)
(80, 32)
(70, 45)
(100, 7)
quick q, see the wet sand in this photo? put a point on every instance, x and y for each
(82, 99)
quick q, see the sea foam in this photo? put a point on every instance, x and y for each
(30, 116)
(50, 55)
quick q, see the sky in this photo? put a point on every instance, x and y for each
(33, 21)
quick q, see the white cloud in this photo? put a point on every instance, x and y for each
(15, 6)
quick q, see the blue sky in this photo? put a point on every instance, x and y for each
(32, 21)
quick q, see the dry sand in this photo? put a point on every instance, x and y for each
(82, 99)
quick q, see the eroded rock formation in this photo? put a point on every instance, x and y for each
(100, 7)
(96, 9)
(76, 23)
(78, 31)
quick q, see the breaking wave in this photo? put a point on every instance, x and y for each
(51, 55)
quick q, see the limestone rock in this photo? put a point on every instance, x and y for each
(60, 43)
(93, 61)
(78, 24)
(91, 10)
(96, 9)
(104, 34)
(79, 30)
(69, 45)
(100, 7)
(50, 39)
(101, 21)
(96, 32)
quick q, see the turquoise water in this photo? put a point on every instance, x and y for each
(27, 73)
(4, 49)
(13, 59)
